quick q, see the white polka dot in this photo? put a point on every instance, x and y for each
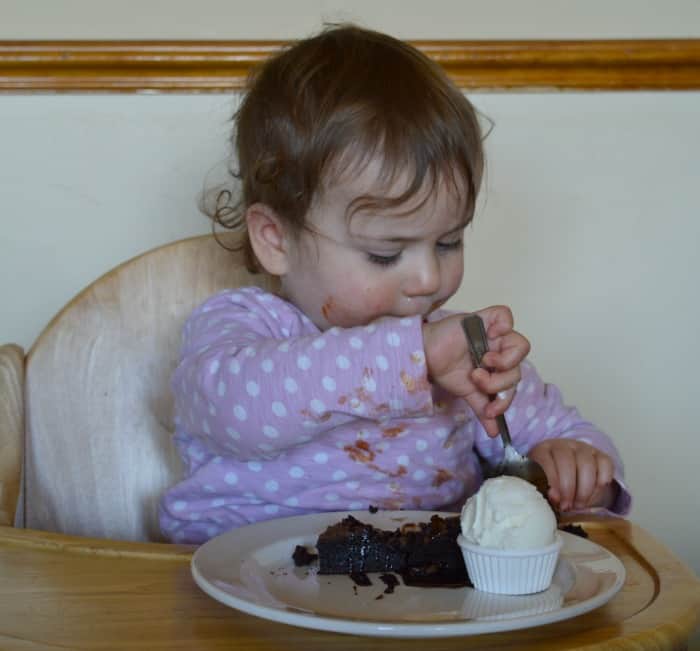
(279, 410)
(393, 339)
(533, 423)
(180, 505)
(403, 460)
(296, 472)
(212, 531)
(214, 367)
(292, 501)
(205, 427)
(429, 461)
(290, 385)
(234, 367)
(249, 351)
(328, 383)
(356, 343)
(395, 404)
(321, 457)
(253, 389)
(530, 388)
(317, 406)
(303, 362)
(370, 327)
(530, 411)
(332, 497)
(342, 362)
(283, 347)
(254, 466)
(406, 322)
(218, 502)
(240, 413)
(441, 432)
(383, 446)
(236, 298)
(355, 506)
(231, 478)
(285, 332)
(419, 475)
(270, 431)
(335, 331)
(271, 509)
(233, 433)
(585, 439)
(551, 422)
(267, 365)
(421, 445)
(271, 485)
(221, 389)
(352, 485)
(418, 357)
(369, 384)
(339, 475)
(382, 362)
(319, 343)
(265, 447)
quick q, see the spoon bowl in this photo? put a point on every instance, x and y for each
(513, 464)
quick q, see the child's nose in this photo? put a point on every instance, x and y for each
(425, 277)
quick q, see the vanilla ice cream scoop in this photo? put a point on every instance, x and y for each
(508, 513)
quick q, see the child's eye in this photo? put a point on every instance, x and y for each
(383, 260)
(450, 246)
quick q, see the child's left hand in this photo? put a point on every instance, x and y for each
(580, 476)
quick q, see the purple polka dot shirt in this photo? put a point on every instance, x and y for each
(275, 418)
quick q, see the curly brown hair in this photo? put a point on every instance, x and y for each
(341, 98)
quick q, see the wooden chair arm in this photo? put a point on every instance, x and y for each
(11, 428)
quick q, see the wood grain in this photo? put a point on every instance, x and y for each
(11, 428)
(223, 66)
(66, 592)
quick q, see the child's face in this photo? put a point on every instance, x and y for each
(402, 262)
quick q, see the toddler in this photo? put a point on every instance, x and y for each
(350, 387)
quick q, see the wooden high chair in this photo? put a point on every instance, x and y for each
(86, 418)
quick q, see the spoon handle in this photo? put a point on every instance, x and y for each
(474, 330)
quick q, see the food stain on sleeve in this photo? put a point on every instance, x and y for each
(414, 384)
(393, 432)
(360, 451)
(441, 476)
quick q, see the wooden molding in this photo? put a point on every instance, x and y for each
(223, 66)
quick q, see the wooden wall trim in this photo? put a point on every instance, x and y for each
(218, 66)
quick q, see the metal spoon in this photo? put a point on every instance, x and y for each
(513, 463)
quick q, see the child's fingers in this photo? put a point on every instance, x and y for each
(543, 456)
(586, 475)
(493, 383)
(512, 349)
(565, 461)
(498, 320)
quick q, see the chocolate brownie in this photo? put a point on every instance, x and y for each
(425, 554)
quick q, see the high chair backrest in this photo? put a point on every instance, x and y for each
(99, 414)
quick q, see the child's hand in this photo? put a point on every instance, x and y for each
(580, 476)
(450, 364)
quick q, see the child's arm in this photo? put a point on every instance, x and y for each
(583, 466)
(256, 377)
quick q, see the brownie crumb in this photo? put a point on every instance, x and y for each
(391, 582)
(303, 556)
(360, 578)
(575, 529)
(373, 509)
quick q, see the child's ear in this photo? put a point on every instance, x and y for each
(268, 238)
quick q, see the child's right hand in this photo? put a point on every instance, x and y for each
(450, 364)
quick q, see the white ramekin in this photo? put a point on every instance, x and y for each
(511, 571)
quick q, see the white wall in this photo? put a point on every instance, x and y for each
(589, 227)
(239, 19)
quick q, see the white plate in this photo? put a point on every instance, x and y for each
(251, 569)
